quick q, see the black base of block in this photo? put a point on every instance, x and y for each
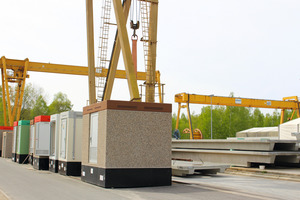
(53, 165)
(41, 163)
(30, 159)
(69, 168)
(22, 158)
(0, 153)
(13, 157)
(120, 178)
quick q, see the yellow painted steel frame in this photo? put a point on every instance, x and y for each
(20, 69)
(287, 103)
(150, 82)
(90, 53)
(126, 52)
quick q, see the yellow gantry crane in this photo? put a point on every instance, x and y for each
(15, 72)
(184, 99)
(149, 10)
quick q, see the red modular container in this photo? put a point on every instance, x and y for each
(6, 128)
(16, 123)
(42, 118)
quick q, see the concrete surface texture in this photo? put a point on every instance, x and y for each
(259, 132)
(255, 145)
(21, 182)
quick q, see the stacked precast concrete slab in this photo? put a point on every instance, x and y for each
(237, 152)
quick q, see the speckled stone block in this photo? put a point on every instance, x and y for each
(133, 146)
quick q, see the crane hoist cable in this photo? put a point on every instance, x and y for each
(134, 24)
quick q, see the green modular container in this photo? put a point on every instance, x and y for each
(23, 137)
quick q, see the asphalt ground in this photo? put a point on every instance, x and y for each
(22, 182)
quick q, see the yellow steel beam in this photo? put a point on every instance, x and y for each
(63, 69)
(115, 58)
(150, 82)
(10, 119)
(90, 48)
(3, 98)
(126, 52)
(22, 88)
(236, 101)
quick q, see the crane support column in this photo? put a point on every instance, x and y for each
(90, 48)
(3, 98)
(150, 78)
(115, 57)
(126, 52)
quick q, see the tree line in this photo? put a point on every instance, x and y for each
(227, 121)
(35, 103)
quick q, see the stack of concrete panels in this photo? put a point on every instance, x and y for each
(259, 132)
(2, 130)
(237, 152)
(127, 144)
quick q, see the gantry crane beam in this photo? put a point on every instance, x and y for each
(290, 103)
(15, 65)
(15, 71)
(235, 101)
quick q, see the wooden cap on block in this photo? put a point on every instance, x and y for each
(6, 128)
(42, 118)
(31, 122)
(127, 105)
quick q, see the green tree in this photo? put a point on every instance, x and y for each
(40, 107)
(60, 104)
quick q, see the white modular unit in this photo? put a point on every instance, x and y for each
(54, 133)
(70, 143)
(14, 145)
(54, 142)
(31, 138)
(42, 139)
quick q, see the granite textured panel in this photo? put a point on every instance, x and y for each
(138, 139)
(133, 146)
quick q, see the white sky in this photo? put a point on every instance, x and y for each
(249, 47)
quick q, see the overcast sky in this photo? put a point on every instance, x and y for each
(249, 47)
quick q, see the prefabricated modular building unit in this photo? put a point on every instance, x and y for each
(54, 142)
(42, 142)
(14, 143)
(69, 161)
(22, 141)
(127, 144)
(2, 130)
(7, 139)
(31, 141)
